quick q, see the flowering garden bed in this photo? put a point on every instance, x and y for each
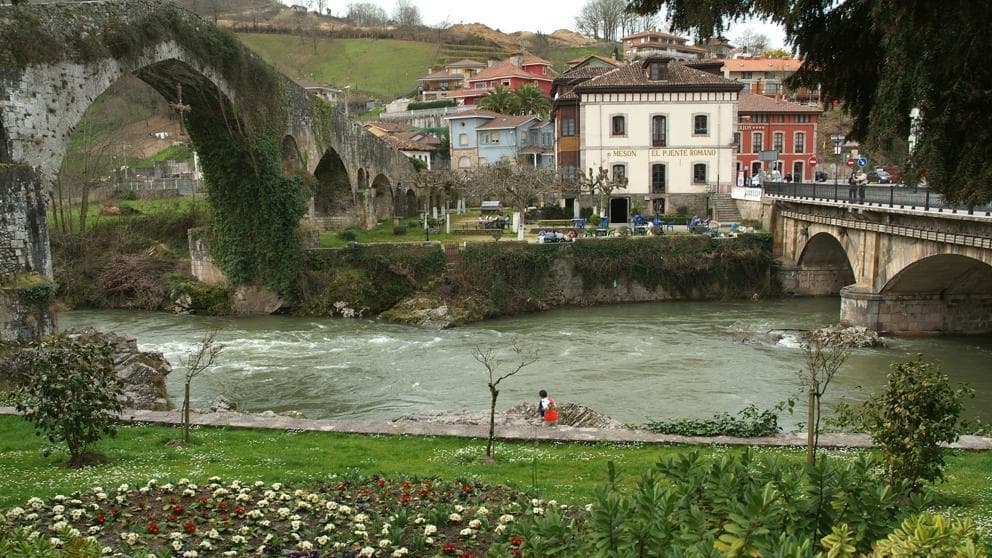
(369, 518)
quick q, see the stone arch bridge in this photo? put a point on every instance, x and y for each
(58, 58)
(897, 270)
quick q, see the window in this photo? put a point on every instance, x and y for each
(757, 142)
(619, 173)
(619, 126)
(658, 179)
(506, 82)
(464, 162)
(569, 172)
(745, 75)
(462, 139)
(659, 71)
(546, 139)
(737, 140)
(659, 131)
(699, 173)
(802, 118)
(760, 118)
(700, 125)
(489, 138)
(568, 126)
(778, 142)
(799, 143)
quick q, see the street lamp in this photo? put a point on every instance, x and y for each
(838, 140)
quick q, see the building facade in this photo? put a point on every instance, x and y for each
(654, 43)
(767, 124)
(766, 76)
(667, 128)
(481, 137)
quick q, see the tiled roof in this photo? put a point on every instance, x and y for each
(468, 92)
(652, 33)
(506, 121)
(466, 63)
(751, 102)
(761, 64)
(505, 69)
(400, 143)
(384, 126)
(474, 113)
(566, 93)
(666, 46)
(679, 78)
(442, 75)
(577, 61)
(417, 136)
(531, 59)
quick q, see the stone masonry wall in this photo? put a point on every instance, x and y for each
(23, 224)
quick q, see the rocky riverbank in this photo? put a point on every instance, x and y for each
(523, 414)
(143, 373)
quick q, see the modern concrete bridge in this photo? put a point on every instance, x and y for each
(897, 269)
(57, 58)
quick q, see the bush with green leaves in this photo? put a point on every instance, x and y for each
(737, 506)
(750, 422)
(918, 411)
(68, 389)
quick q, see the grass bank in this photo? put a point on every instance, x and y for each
(566, 472)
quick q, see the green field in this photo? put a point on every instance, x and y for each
(385, 68)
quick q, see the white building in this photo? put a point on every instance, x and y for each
(668, 128)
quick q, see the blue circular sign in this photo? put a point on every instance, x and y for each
(862, 162)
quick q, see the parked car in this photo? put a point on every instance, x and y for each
(879, 176)
(820, 176)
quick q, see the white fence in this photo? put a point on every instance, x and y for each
(749, 194)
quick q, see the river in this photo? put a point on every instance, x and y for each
(633, 362)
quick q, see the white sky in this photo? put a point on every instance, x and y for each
(524, 15)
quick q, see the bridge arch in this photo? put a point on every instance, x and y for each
(292, 162)
(333, 199)
(943, 275)
(822, 267)
(410, 203)
(382, 190)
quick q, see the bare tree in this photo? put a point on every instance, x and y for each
(489, 358)
(824, 357)
(406, 14)
(82, 172)
(366, 14)
(438, 186)
(518, 185)
(196, 361)
(601, 184)
(754, 42)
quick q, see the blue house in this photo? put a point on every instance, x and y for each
(481, 137)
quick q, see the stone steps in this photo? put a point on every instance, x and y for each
(725, 209)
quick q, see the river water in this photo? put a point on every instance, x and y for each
(633, 362)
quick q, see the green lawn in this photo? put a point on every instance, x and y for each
(174, 206)
(567, 472)
(386, 68)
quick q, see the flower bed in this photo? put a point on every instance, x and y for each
(350, 519)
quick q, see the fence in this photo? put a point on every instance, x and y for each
(883, 195)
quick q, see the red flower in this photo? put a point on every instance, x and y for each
(405, 484)
(101, 518)
(516, 541)
(222, 506)
(173, 517)
(406, 499)
(189, 527)
(450, 549)
(113, 511)
(177, 509)
(153, 528)
(468, 488)
(516, 552)
(381, 482)
(172, 499)
(203, 499)
(424, 493)
(466, 555)
(239, 511)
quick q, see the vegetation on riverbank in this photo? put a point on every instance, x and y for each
(569, 473)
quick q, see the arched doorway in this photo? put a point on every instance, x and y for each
(824, 267)
(291, 160)
(411, 203)
(383, 198)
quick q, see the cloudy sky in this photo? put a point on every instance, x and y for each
(525, 15)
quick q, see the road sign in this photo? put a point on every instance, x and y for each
(862, 162)
(812, 161)
(850, 163)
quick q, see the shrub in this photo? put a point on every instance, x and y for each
(399, 230)
(347, 235)
(933, 535)
(917, 412)
(69, 391)
(750, 422)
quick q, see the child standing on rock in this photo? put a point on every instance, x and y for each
(546, 408)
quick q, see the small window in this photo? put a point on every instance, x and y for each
(659, 71)
(700, 125)
(659, 131)
(569, 172)
(699, 173)
(799, 142)
(464, 162)
(803, 118)
(746, 75)
(462, 139)
(568, 126)
(658, 179)
(778, 142)
(757, 142)
(619, 173)
(619, 126)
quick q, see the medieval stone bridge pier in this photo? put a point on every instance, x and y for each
(56, 59)
(897, 271)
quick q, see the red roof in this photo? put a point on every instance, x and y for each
(533, 59)
(384, 126)
(751, 102)
(679, 77)
(466, 63)
(505, 69)
(467, 93)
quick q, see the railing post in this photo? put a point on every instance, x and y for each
(926, 203)
(835, 189)
(892, 193)
(795, 190)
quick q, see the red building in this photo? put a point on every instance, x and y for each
(768, 124)
(565, 113)
(512, 73)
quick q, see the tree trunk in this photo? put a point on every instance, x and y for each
(186, 413)
(84, 206)
(492, 421)
(810, 427)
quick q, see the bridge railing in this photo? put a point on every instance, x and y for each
(877, 195)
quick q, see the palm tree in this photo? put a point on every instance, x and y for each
(501, 100)
(531, 100)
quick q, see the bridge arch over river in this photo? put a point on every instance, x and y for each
(896, 270)
(56, 59)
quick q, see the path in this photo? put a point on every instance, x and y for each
(509, 432)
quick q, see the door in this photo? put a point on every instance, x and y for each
(619, 210)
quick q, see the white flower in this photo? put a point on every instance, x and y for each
(76, 514)
(295, 524)
(123, 488)
(177, 545)
(362, 535)
(358, 527)
(400, 552)
(322, 540)
(58, 526)
(304, 545)
(213, 534)
(220, 492)
(259, 484)
(283, 512)
(467, 532)
(130, 538)
(429, 530)
(56, 542)
(190, 554)
(384, 543)
(419, 520)
(482, 511)
(277, 486)
(183, 481)
(588, 507)
(368, 552)
(429, 540)
(206, 545)
(30, 517)
(499, 529)
(58, 509)
(538, 511)
(459, 508)
(330, 527)
(36, 503)
(176, 536)
(339, 545)
(238, 539)
(454, 518)
(95, 529)
(534, 502)
(475, 524)
(189, 492)
(505, 518)
(14, 513)
(331, 506)
(107, 550)
(360, 518)
(231, 553)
